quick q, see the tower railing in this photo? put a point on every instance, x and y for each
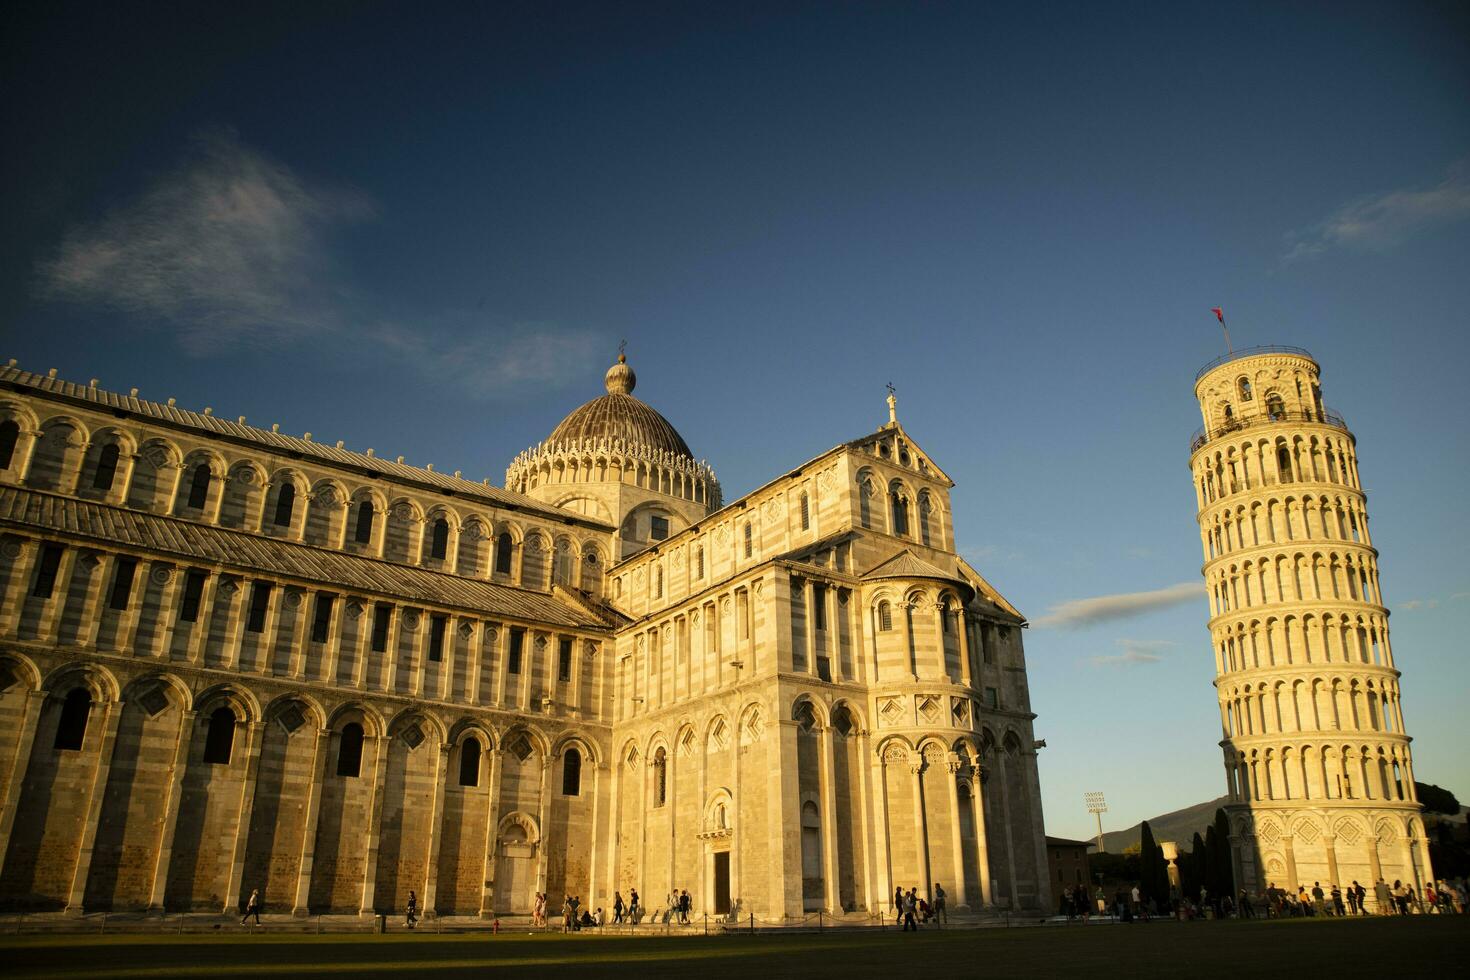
(1204, 434)
(1250, 352)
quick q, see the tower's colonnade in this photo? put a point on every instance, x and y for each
(1317, 760)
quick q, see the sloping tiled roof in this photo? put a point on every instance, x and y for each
(987, 592)
(320, 451)
(906, 564)
(238, 550)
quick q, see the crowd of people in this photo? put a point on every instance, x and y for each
(1444, 897)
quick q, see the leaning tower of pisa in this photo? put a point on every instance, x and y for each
(1317, 762)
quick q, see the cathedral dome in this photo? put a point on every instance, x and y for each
(617, 415)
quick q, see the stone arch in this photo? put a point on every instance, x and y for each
(241, 699)
(452, 525)
(475, 547)
(144, 682)
(854, 713)
(244, 492)
(370, 718)
(403, 525)
(465, 727)
(17, 667)
(184, 496)
(126, 446)
(326, 512)
(820, 715)
(315, 716)
(56, 453)
(579, 741)
(100, 682)
(411, 715)
(523, 820)
(152, 477)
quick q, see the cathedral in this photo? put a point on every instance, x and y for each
(235, 659)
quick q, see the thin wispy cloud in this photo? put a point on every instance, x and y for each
(1411, 605)
(1134, 653)
(233, 250)
(227, 250)
(486, 360)
(1079, 613)
(1380, 222)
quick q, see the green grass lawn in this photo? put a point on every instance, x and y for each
(1329, 949)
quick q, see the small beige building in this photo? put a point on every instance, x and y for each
(1317, 760)
(234, 659)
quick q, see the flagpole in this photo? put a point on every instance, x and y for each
(1219, 312)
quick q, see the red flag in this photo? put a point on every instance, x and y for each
(1219, 313)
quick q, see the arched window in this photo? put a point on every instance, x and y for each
(1229, 413)
(1275, 407)
(926, 507)
(842, 721)
(749, 540)
(220, 739)
(900, 512)
(806, 511)
(362, 533)
(811, 841)
(9, 433)
(199, 486)
(503, 546)
(885, 616)
(658, 582)
(699, 562)
(660, 778)
(285, 504)
(1283, 462)
(349, 751)
(469, 763)
(1243, 386)
(571, 773)
(106, 467)
(439, 545)
(71, 729)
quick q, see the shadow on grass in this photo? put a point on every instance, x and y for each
(1200, 951)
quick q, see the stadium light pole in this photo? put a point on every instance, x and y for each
(1097, 807)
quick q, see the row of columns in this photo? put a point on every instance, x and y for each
(219, 587)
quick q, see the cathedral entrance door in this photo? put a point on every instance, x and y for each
(722, 882)
(513, 872)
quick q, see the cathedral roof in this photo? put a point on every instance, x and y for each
(618, 416)
(298, 448)
(248, 554)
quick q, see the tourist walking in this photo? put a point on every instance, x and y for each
(538, 911)
(252, 907)
(910, 907)
(411, 914)
(1246, 909)
(635, 910)
(1319, 907)
(1382, 898)
(1337, 906)
(940, 915)
(684, 904)
(617, 908)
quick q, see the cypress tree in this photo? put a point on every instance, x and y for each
(1153, 870)
(1224, 860)
(1200, 862)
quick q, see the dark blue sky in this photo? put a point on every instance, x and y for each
(425, 228)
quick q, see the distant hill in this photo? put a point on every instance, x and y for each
(1179, 826)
